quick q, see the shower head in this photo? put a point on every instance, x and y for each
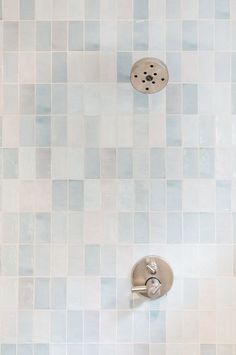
(149, 75)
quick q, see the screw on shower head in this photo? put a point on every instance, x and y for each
(149, 75)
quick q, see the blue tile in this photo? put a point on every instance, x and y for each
(58, 293)
(173, 62)
(173, 35)
(233, 67)
(223, 195)
(27, 130)
(27, 36)
(8, 349)
(58, 327)
(92, 260)
(125, 227)
(141, 227)
(174, 228)
(26, 260)
(92, 9)
(233, 99)
(140, 102)
(92, 163)
(141, 36)
(173, 130)
(76, 35)
(206, 35)
(26, 227)
(25, 349)
(190, 163)
(76, 195)
(43, 228)
(141, 9)
(43, 131)
(141, 349)
(158, 327)
(207, 349)
(157, 163)
(124, 326)
(124, 35)
(91, 326)
(92, 35)
(206, 8)
(108, 163)
(108, 260)
(157, 195)
(27, 8)
(41, 349)
(43, 99)
(191, 293)
(41, 298)
(141, 195)
(59, 195)
(124, 163)
(10, 163)
(173, 8)
(75, 99)
(207, 163)
(27, 99)
(173, 98)
(207, 228)
(174, 195)
(191, 227)
(59, 131)
(10, 67)
(141, 329)
(59, 67)
(59, 99)
(207, 131)
(43, 163)
(190, 36)
(222, 9)
(43, 36)
(124, 63)
(108, 293)
(74, 326)
(190, 99)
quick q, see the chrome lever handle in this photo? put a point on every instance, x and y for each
(152, 288)
(139, 289)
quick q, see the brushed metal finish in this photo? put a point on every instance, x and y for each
(152, 277)
(149, 75)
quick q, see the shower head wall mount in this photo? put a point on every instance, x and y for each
(149, 75)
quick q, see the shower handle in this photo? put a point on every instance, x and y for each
(151, 288)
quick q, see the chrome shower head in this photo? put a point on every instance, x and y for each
(149, 75)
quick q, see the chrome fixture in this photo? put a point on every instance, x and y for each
(149, 75)
(152, 277)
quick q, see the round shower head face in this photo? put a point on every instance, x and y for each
(149, 75)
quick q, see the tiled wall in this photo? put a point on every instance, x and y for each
(95, 175)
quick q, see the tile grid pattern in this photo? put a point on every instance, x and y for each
(95, 175)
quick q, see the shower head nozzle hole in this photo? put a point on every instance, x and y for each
(153, 82)
(162, 79)
(151, 66)
(147, 88)
(155, 74)
(149, 77)
(143, 81)
(136, 76)
(144, 72)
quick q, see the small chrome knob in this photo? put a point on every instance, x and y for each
(152, 267)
